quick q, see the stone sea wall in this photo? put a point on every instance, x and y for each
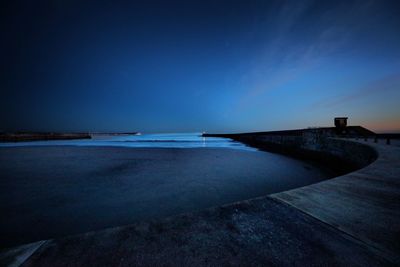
(315, 144)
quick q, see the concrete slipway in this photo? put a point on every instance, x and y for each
(351, 220)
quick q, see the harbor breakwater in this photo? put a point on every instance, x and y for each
(41, 136)
(316, 144)
(350, 220)
(364, 201)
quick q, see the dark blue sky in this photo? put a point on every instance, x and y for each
(216, 66)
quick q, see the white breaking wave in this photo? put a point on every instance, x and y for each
(166, 140)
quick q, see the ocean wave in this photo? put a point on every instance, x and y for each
(168, 141)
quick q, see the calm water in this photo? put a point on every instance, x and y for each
(56, 188)
(166, 140)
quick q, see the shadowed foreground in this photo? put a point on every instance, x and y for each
(250, 233)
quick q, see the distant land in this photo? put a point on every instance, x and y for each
(43, 136)
(40, 136)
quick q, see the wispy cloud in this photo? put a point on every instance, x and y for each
(286, 59)
(388, 83)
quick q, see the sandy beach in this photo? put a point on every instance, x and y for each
(54, 191)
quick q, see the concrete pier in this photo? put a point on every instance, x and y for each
(351, 220)
(364, 204)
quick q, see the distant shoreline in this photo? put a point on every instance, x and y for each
(21, 137)
(46, 136)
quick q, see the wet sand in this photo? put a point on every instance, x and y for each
(55, 191)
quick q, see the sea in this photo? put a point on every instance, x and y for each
(155, 140)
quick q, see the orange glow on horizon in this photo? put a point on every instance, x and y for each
(390, 125)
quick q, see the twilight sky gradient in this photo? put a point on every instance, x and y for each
(216, 66)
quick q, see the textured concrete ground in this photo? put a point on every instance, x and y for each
(364, 204)
(348, 221)
(260, 232)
